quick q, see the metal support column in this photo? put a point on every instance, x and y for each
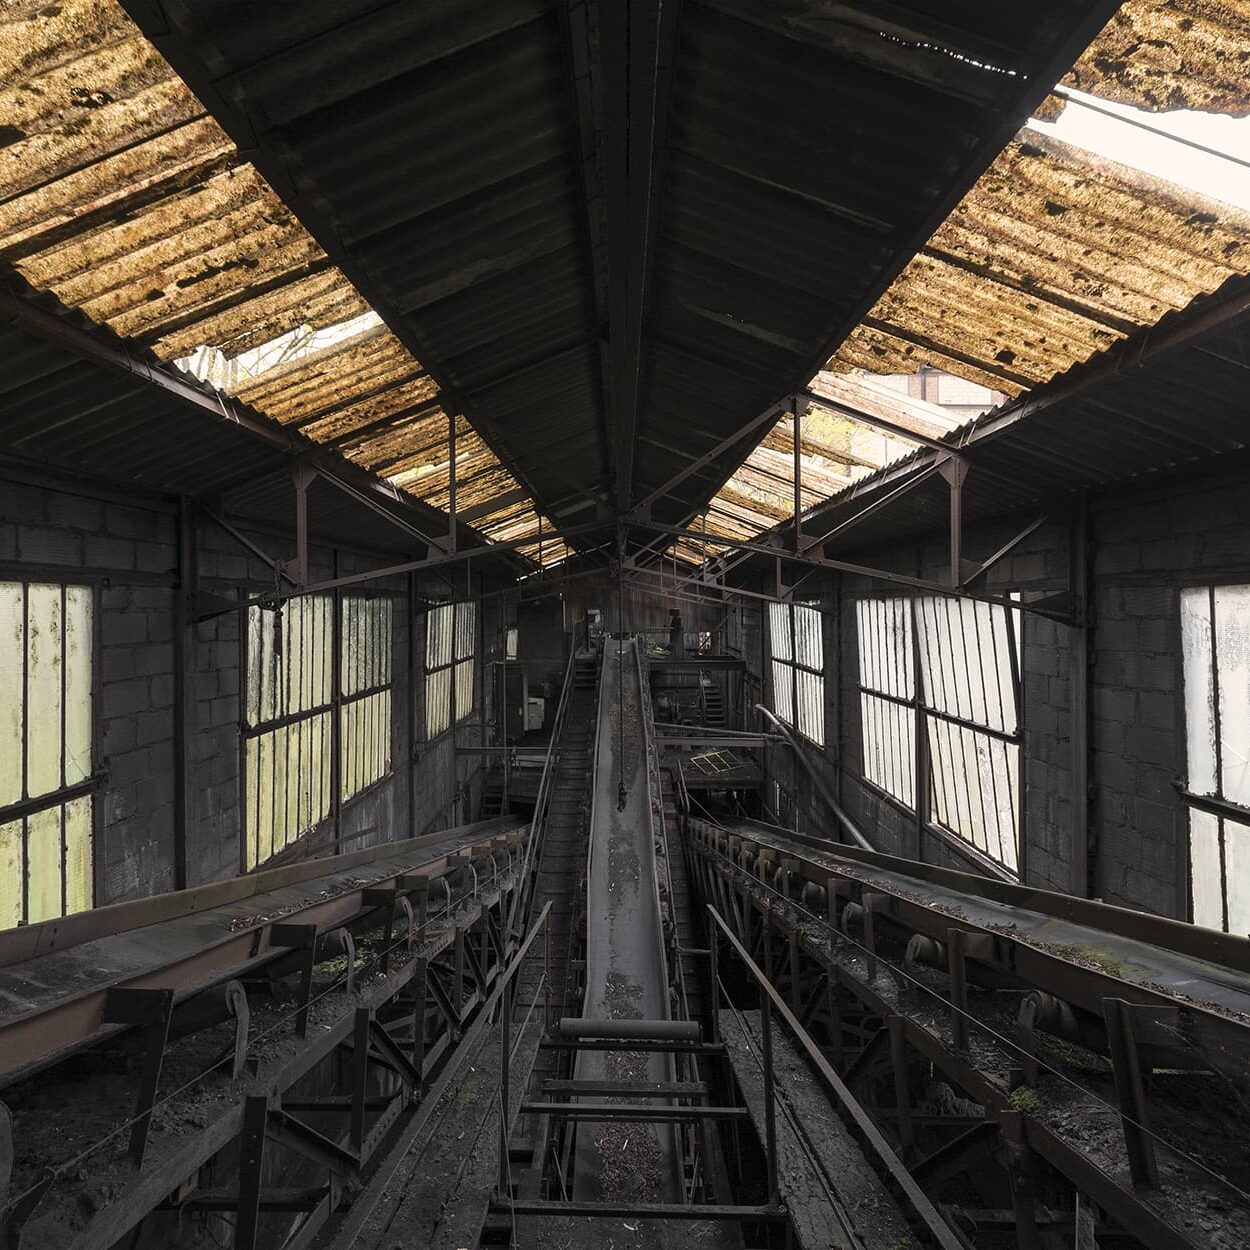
(1078, 660)
(955, 471)
(795, 409)
(185, 702)
(451, 481)
(302, 474)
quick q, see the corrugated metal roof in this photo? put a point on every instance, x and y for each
(1056, 255)
(122, 199)
(836, 450)
(1053, 256)
(1171, 54)
(459, 185)
(1153, 406)
(455, 160)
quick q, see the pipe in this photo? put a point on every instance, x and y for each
(580, 1027)
(834, 806)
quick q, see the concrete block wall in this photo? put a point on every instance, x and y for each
(1146, 543)
(127, 545)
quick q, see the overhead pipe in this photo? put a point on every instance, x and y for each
(823, 790)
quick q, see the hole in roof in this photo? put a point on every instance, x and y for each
(231, 373)
(958, 397)
(1205, 153)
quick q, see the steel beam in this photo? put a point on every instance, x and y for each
(1005, 550)
(869, 509)
(770, 414)
(818, 400)
(859, 570)
(935, 1226)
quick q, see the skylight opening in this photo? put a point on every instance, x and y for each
(232, 373)
(1206, 153)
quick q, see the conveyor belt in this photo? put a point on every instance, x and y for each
(626, 973)
(1082, 951)
(54, 1003)
(1161, 1155)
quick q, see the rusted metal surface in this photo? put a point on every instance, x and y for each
(1171, 54)
(1054, 256)
(124, 200)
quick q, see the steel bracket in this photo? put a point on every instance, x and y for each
(152, 1010)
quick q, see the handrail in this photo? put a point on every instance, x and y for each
(823, 790)
(367, 1201)
(521, 897)
(771, 1000)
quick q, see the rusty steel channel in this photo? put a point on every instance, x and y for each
(54, 1000)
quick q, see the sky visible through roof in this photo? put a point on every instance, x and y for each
(1197, 157)
(1130, 136)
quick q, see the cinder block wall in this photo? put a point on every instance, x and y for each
(64, 530)
(1146, 541)
(127, 546)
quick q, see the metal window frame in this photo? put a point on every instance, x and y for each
(921, 704)
(793, 668)
(1217, 805)
(249, 732)
(92, 786)
(334, 745)
(455, 713)
(384, 648)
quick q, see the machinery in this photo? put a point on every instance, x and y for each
(638, 1017)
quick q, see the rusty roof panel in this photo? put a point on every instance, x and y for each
(404, 443)
(91, 91)
(1171, 54)
(124, 200)
(1053, 256)
(360, 419)
(323, 298)
(111, 185)
(217, 242)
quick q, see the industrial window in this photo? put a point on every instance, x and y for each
(798, 668)
(46, 783)
(1215, 635)
(365, 681)
(968, 689)
(289, 722)
(887, 695)
(450, 632)
(954, 664)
